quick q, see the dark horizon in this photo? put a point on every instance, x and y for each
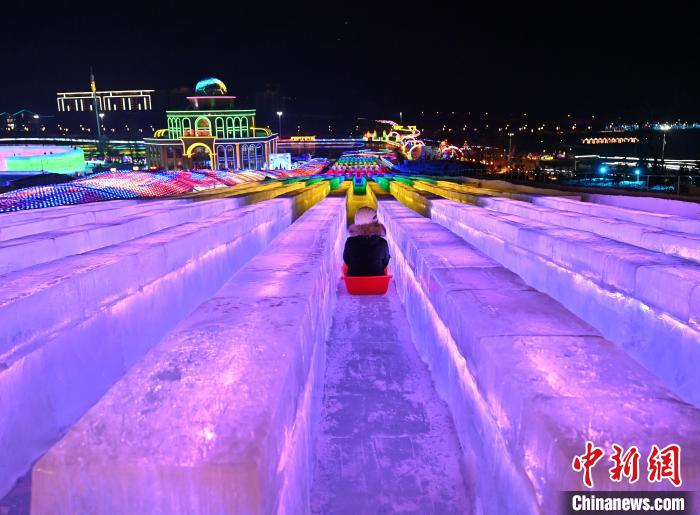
(370, 62)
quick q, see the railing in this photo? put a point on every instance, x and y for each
(265, 131)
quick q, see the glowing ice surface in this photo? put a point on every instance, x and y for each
(387, 443)
(649, 237)
(652, 204)
(218, 417)
(646, 301)
(49, 243)
(662, 220)
(527, 382)
(72, 327)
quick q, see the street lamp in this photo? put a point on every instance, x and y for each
(401, 117)
(664, 129)
(279, 124)
(510, 145)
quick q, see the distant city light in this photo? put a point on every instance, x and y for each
(603, 169)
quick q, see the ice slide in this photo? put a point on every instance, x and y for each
(81, 303)
(264, 394)
(527, 381)
(633, 275)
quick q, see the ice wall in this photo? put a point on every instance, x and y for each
(73, 327)
(652, 204)
(33, 221)
(669, 222)
(528, 383)
(649, 237)
(219, 416)
(647, 302)
(49, 243)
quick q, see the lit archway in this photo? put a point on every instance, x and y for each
(194, 146)
(202, 126)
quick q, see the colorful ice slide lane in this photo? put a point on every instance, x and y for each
(665, 221)
(72, 326)
(647, 302)
(659, 232)
(23, 223)
(528, 383)
(219, 416)
(114, 227)
(640, 234)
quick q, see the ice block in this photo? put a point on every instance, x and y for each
(527, 381)
(219, 416)
(604, 282)
(73, 327)
(51, 244)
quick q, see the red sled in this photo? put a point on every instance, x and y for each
(366, 284)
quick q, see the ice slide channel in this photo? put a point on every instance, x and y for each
(219, 416)
(222, 415)
(527, 382)
(647, 302)
(70, 328)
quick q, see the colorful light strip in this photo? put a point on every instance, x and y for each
(132, 184)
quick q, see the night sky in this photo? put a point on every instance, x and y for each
(362, 60)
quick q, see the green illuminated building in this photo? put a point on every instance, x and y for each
(211, 134)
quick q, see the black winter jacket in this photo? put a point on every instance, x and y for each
(366, 251)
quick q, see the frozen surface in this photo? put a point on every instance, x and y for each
(72, 327)
(31, 214)
(662, 220)
(52, 244)
(387, 443)
(33, 221)
(645, 301)
(527, 382)
(219, 416)
(649, 237)
(652, 204)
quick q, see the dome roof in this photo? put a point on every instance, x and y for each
(211, 86)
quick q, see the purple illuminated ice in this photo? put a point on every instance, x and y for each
(647, 302)
(72, 327)
(528, 382)
(219, 416)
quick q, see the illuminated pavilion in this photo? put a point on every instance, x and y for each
(211, 134)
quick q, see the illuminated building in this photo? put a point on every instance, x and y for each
(21, 120)
(609, 141)
(126, 100)
(211, 134)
